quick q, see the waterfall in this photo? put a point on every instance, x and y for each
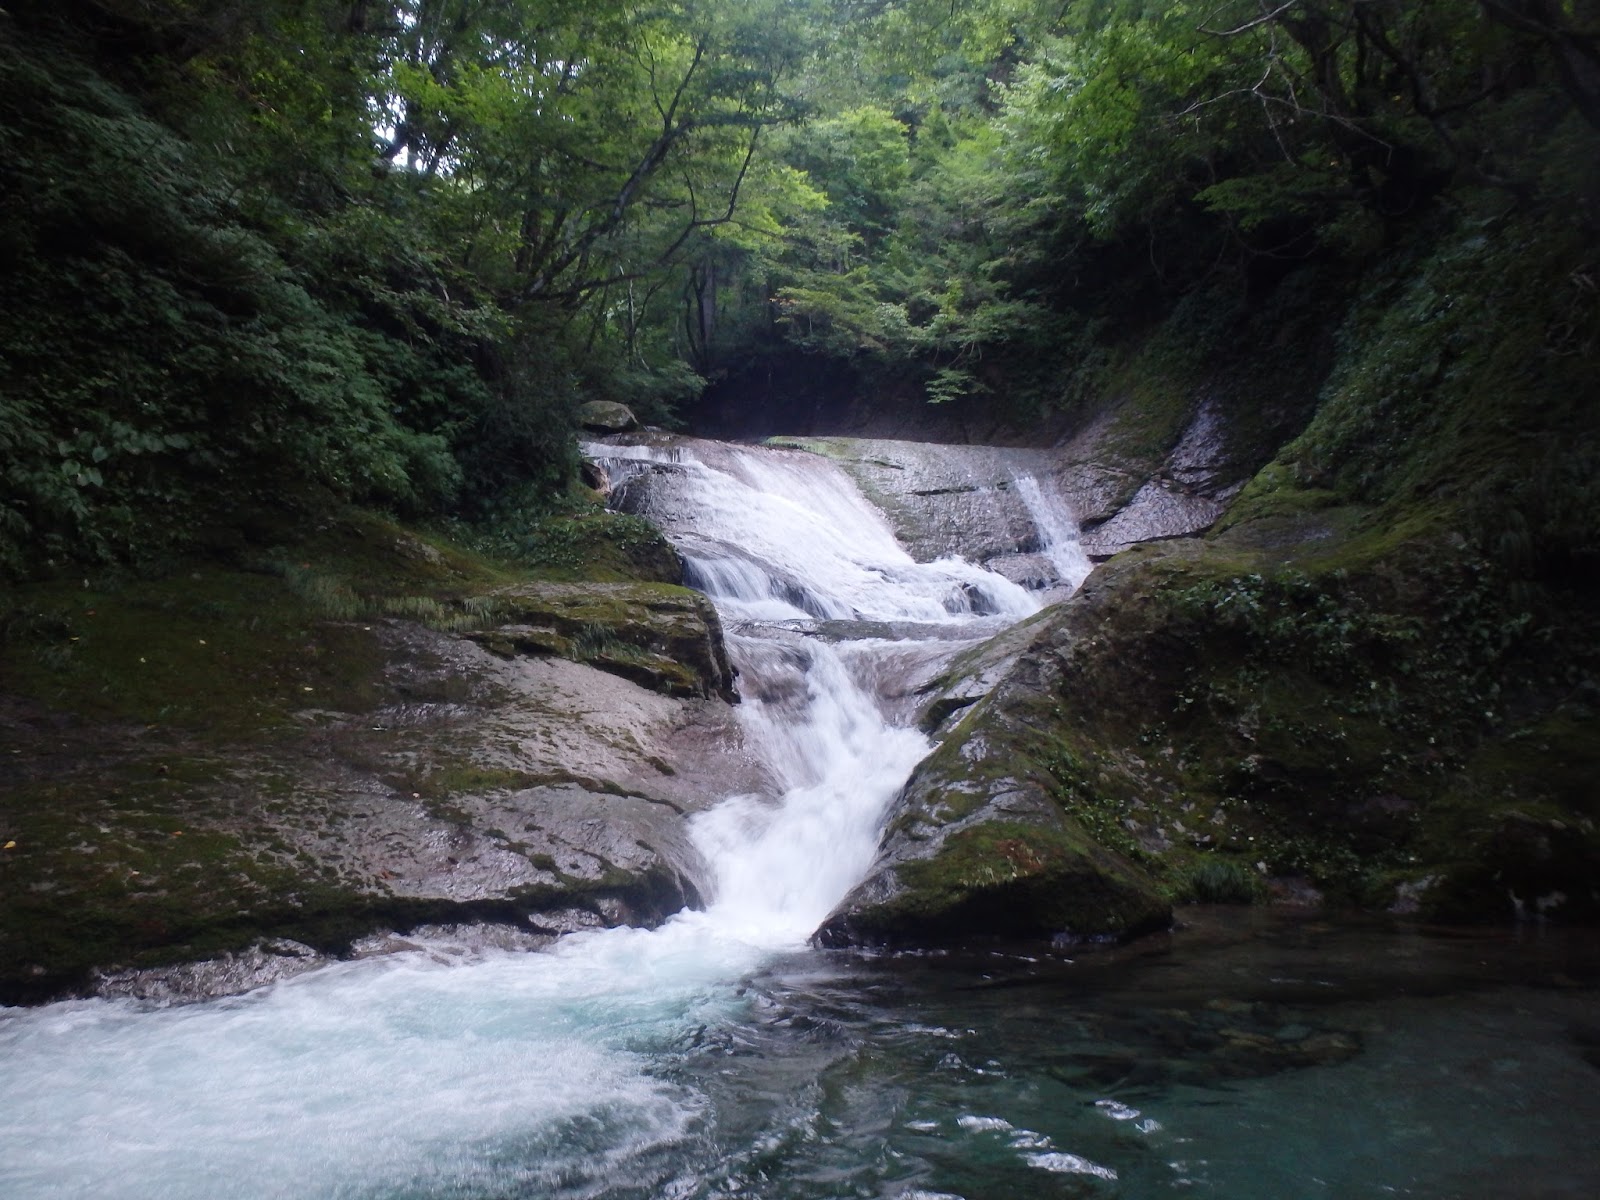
(541, 1074)
(779, 539)
(1058, 531)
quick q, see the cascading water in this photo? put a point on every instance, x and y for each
(1058, 531)
(541, 1074)
(777, 539)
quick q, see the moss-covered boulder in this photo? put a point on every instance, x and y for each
(980, 843)
(606, 416)
(312, 745)
(663, 637)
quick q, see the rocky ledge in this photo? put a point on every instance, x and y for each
(530, 773)
(1236, 719)
(662, 637)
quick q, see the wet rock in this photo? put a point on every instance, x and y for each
(944, 499)
(974, 675)
(1158, 510)
(606, 416)
(265, 962)
(1033, 571)
(526, 793)
(997, 877)
(558, 921)
(548, 785)
(1294, 891)
(1409, 895)
(1529, 866)
(454, 943)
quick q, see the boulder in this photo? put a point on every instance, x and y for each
(980, 842)
(662, 637)
(606, 416)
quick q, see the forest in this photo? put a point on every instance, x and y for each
(262, 259)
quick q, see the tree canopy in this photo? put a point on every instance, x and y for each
(389, 244)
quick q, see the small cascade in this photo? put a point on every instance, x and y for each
(783, 534)
(782, 541)
(1058, 531)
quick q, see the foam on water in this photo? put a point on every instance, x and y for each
(761, 526)
(533, 1074)
(367, 1076)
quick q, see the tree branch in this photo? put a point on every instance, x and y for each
(1263, 19)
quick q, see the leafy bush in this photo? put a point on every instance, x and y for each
(1213, 880)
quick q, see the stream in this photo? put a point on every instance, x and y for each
(1246, 1055)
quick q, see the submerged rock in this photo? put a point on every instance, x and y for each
(269, 961)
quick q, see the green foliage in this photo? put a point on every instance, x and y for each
(573, 537)
(1495, 330)
(1214, 880)
(261, 256)
(860, 159)
(159, 353)
(1074, 173)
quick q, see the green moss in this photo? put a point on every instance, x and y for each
(1154, 406)
(1273, 494)
(1347, 717)
(1021, 880)
(142, 820)
(576, 538)
(133, 872)
(210, 648)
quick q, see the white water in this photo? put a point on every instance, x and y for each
(534, 1074)
(1058, 531)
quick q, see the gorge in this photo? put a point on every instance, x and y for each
(799, 599)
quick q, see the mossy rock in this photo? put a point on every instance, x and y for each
(663, 637)
(978, 846)
(606, 416)
(1006, 880)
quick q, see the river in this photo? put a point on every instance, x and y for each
(1245, 1055)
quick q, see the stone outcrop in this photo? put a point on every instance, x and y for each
(458, 783)
(1235, 719)
(966, 500)
(505, 787)
(981, 843)
(662, 637)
